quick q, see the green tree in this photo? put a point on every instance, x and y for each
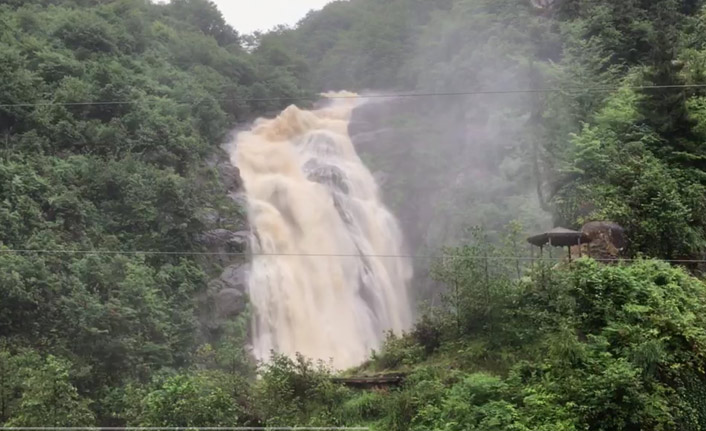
(187, 400)
(48, 397)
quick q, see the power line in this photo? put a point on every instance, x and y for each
(365, 96)
(325, 255)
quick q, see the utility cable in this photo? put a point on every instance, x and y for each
(324, 255)
(569, 90)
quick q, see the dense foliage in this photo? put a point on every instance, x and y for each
(115, 338)
(482, 158)
(572, 347)
(108, 112)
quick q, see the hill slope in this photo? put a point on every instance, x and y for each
(109, 112)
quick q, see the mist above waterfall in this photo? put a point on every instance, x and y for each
(327, 280)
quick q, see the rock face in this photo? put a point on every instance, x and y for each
(226, 245)
(227, 260)
(230, 303)
(225, 241)
(236, 277)
(229, 174)
(607, 241)
(610, 233)
(225, 299)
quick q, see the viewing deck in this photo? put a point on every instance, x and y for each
(371, 382)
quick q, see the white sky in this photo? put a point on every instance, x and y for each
(247, 16)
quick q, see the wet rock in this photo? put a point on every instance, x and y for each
(235, 276)
(215, 286)
(228, 293)
(328, 175)
(342, 212)
(225, 241)
(230, 175)
(214, 239)
(230, 303)
(240, 198)
(321, 144)
(240, 241)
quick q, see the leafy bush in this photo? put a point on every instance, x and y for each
(397, 351)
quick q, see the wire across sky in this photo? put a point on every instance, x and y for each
(567, 90)
(326, 255)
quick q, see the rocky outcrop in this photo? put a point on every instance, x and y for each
(327, 175)
(230, 303)
(228, 174)
(608, 232)
(229, 291)
(606, 241)
(235, 276)
(226, 240)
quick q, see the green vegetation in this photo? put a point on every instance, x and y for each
(574, 347)
(78, 329)
(118, 339)
(479, 159)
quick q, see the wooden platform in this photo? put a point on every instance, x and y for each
(371, 382)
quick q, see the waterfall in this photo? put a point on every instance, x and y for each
(327, 279)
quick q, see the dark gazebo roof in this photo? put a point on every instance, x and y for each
(559, 237)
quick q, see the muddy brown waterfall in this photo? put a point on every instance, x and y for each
(327, 278)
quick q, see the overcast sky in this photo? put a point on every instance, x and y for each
(247, 16)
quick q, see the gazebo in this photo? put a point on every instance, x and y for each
(559, 237)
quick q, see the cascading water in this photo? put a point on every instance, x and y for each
(326, 280)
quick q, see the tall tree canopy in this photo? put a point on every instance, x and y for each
(111, 117)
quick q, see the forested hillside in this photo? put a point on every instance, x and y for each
(480, 158)
(108, 114)
(111, 117)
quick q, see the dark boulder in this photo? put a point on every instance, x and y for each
(328, 175)
(227, 294)
(607, 239)
(230, 175)
(235, 277)
(230, 303)
(232, 289)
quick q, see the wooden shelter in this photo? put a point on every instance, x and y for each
(559, 237)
